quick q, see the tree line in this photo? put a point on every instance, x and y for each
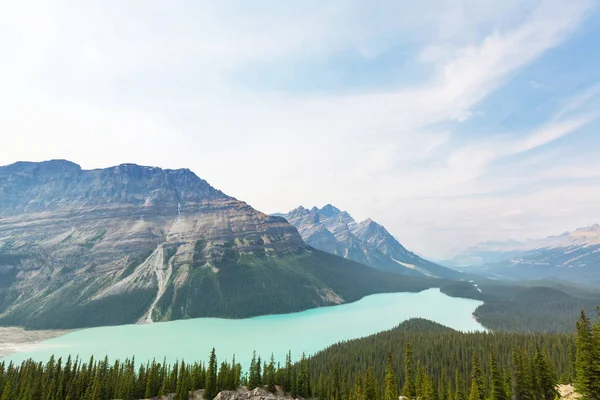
(418, 360)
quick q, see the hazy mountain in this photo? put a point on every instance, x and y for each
(573, 256)
(130, 243)
(336, 232)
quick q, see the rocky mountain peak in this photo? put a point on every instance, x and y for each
(30, 187)
(329, 211)
(335, 231)
(298, 212)
(41, 168)
(370, 228)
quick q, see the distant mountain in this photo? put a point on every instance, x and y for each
(336, 232)
(572, 256)
(132, 243)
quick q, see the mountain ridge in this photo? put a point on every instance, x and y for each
(572, 255)
(132, 243)
(335, 231)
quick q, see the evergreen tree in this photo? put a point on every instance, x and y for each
(545, 380)
(496, 380)
(259, 378)
(211, 377)
(336, 384)
(7, 391)
(421, 383)
(409, 390)
(587, 359)
(321, 390)
(270, 375)
(429, 387)
(459, 393)
(294, 385)
(390, 385)
(287, 381)
(182, 392)
(522, 385)
(303, 383)
(369, 383)
(477, 391)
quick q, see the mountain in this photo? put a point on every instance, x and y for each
(572, 256)
(336, 232)
(133, 244)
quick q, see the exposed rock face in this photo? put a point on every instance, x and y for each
(101, 214)
(572, 256)
(133, 243)
(256, 394)
(240, 394)
(335, 231)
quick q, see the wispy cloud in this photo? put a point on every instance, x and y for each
(537, 85)
(109, 82)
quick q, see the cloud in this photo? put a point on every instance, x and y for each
(108, 82)
(550, 133)
(537, 85)
(581, 99)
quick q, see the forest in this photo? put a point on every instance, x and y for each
(418, 359)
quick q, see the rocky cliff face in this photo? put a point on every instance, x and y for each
(335, 231)
(133, 243)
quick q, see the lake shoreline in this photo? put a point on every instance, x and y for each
(304, 332)
(14, 339)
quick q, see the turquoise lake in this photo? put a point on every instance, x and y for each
(307, 331)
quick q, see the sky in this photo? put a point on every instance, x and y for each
(448, 121)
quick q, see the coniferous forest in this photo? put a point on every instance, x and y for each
(418, 359)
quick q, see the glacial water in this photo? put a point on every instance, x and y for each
(307, 331)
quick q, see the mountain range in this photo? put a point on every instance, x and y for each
(336, 232)
(133, 244)
(572, 256)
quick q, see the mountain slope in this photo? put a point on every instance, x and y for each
(572, 256)
(132, 243)
(367, 242)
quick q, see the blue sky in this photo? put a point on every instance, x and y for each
(450, 122)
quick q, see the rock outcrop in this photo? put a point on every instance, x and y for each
(256, 394)
(336, 232)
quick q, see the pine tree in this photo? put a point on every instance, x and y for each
(336, 386)
(7, 391)
(420, 383)
(584, 379)
(182, 392)
(587, 358)
(294, 385)
(477, 391)
(321, 391)
(497, 383)
(211, 377)
(369, 390)
(270, 375)
(459, 393)
(522, 383)
(252, 381)
(545, 380)
(303, 384)
(409, 389)
(595, 389)
(429, 388)
(390, 386)
(259, 377)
